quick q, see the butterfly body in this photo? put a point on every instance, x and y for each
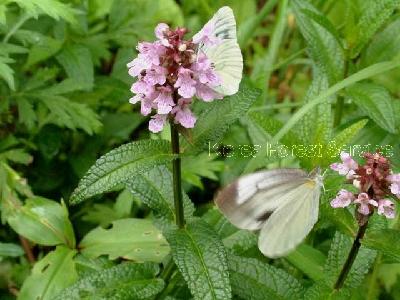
(282, 203)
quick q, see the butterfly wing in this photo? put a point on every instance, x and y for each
(249, 201)
(289, 224)
(226, 56)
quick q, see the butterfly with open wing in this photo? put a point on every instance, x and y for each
(282, 203)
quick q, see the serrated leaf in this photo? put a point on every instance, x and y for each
(120, 165)
(251, 279)
(154, 188)
(50, 275)
(386, 240)
(43, 221)
(26, 113)
(308, 260)
(200, 257)
(342, 139)
(44, 48)
(321, 291)
(19, 156)
(385, 45)
(10, 250)
(127, 281)
(376, 102)
(53, 8)
(337, 256)
(323, 46)
(202, 165)
(374, 14)
(77, 62)
(134, 239)
(216, 117)
(66, 113)
(6, 72)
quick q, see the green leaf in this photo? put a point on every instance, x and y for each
(26, 114)
(44, 48)
(202, 165)
(77, 62)
(18, 156)
(216, 117)
(200, 256)
(385, 45)
(308, 260)
(6, 72)
(50, 275)
(374, 14)
(324, 47)
(10, 250)
(66, 113)
(120, 165)
(127, 281)
(361, 75)
(387, 241)
(43, 221)
(376, 102)
(134, 239)
(154, 188)
(251, 279)
(322, 291)
(53, 8)
(337, 256)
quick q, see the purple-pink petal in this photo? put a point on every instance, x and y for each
(157, 123)
(386, 208)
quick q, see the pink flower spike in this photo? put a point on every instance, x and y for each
(386, 208)
(185, 83)
(343, 199)
(364, 201)
(157, 123)
(206, 35)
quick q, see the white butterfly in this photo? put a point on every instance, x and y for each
(226, 55)
(283, 203)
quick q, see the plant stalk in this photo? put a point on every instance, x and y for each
(177, 178)
(27, 248)
(351, 257)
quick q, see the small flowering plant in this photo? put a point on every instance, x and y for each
(374, 180)
(171, 71)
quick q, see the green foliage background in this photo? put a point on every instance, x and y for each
(320, 72)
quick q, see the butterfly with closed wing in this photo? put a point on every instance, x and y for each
(282, 203)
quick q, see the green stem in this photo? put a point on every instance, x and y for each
(177, 180)
(351, 257)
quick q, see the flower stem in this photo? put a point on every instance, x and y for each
(352, 256)
(176, 173)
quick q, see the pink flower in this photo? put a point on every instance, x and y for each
(365, 202)
(157, 123)
(183, 114)
(151, 52)
(205, 72)
(395, 186)
(164, 100)
(343, 199)
(347, 167)
(185, 83)
(206, 35)
(137, 65)
(206, 93)
(156, 75)
(142, 87)
(386, 208)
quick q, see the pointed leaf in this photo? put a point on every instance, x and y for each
(50, 275)
(387, 241)
(127, 281)
(200, 256)
(120, 165)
